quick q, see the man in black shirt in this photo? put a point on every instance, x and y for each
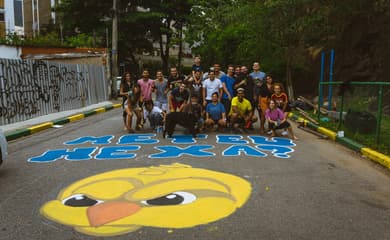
(178, 98)
(244, 80)
(174, 79)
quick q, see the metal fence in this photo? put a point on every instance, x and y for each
(362, 111)
(31, 88)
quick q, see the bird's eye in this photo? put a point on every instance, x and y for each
(174, 198)
(79, 200)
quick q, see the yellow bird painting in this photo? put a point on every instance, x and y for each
(165, 196)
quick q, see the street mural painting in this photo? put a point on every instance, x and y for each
(167, 196)
(127, 147)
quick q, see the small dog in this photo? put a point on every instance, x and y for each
(184, 119)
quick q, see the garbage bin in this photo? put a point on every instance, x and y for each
(361, 122)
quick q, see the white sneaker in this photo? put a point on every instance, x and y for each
(284, 133)
(269, 132)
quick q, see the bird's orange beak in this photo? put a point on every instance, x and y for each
(103, 213)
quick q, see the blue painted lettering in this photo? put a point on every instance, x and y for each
(237, 150)
(274, 141)
(173, 151)
(78, 154)
(116, 152)
(187, 139)
(145, 138)
(277, 151)
(94, 140)
(230, 139)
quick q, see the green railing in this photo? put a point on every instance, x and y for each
(380, 92)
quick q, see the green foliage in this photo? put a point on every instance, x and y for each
(275, 32)
(80, 40)
(50, 39)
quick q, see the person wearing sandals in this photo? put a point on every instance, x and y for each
(277, 120)
(146, 86)
(281, 100)
(124, 89)
(265, 93)
(132, 106)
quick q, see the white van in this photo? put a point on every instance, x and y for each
(3, 147)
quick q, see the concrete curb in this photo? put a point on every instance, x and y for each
(40, 127)
(373, 155)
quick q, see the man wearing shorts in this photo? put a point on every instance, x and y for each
(241, 111)
(178, 98)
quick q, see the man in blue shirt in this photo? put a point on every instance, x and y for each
(257, 75)
(228, 87)
(258, 79)
(215, 113)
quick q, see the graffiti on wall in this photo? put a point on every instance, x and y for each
(28, 88)
(168, 196)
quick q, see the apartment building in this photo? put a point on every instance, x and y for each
(37, 16)
(25, 17)
(2, 18)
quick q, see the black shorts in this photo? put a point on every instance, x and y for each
(281, 126)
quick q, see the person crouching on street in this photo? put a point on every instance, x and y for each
(155, 115)
(215, 113)
(277, 120)
(241, 113)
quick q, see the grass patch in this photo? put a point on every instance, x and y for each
(368, 140)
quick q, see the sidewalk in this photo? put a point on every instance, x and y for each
(373, 155)
(20, 129)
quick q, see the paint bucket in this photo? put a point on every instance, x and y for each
(340, 134)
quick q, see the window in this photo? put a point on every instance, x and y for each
(18, 12)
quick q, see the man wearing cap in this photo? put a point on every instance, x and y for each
(241, 111)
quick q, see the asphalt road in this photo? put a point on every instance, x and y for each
(319, 190)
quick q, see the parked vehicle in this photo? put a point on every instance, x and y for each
(3, 147)
(118, 85)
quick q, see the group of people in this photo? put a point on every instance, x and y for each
(220, 100)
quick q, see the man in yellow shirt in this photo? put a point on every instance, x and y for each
(241, 111)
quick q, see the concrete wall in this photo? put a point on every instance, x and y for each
(10, 52)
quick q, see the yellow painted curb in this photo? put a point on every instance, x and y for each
(376, 156)
(100, 110)
(302, 120)
(40, 127)
(117, 105)
(327, 132)
(76, 117)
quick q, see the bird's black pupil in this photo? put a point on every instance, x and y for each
(80, 201)
(170, 199)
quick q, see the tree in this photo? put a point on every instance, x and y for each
(164, 16)
(275, 32)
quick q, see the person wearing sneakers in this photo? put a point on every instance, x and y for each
(281, 101)
(277, 120)
(132, 107)
(215, 113)
(241, 111)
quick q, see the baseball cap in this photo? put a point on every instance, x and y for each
(240, 90)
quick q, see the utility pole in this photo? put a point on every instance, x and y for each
(180, 46)
(114, 50)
